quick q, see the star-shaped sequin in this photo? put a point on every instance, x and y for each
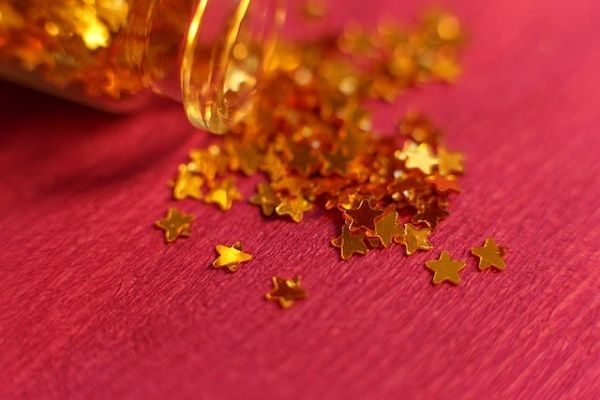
(490, 255)
(449, 162)
(387, 228)
(445, 269)
(415, 239)
(231, 257)
(175, 224)
(349, 243)
(421, 158)
(295, 207)
(286, 291)
(363, 216)
(266, 198)
(223, 194)
(187, 184)
(444, 184)
(430, 213)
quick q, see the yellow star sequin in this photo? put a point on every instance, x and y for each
(286, 291)
(387, 228)
(490, 255)
(350, 244)
(266, 198)
(187, 184)
(421, 158)
(295, 207)
(175, 225)
(231, 257)
(445, 269)
(415, 239)
(449, 162)
(223, 194)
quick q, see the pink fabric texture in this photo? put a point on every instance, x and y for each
(94, 305)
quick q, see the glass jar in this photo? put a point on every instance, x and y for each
(112, 54)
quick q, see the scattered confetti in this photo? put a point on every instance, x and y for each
(175, 225)
(309, 134)
(231, 257)
(490, 255)
(286, 291)
(445, 269)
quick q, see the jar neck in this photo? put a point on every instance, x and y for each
(208, 54)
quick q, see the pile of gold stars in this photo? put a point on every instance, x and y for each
(311, 136)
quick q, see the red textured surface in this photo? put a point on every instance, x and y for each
(94, 305)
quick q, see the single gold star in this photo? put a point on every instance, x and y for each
(449, 162)
(415, 239)
(444, 184)
(286, 291)
(421, 158)
(175, 225)
(387, 228)
(295, 207)
(445, 269)
(231, 257)
(350, 244)
(223, 194)
(187, 184)
(266, 198)
(430, 213)
(490, 255)
(363, 216)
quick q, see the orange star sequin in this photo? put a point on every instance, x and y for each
(349, 243)
(175, 225)
(294, 207)
(490, 255)
(286, 291)
(266, 198)
(363, 216)
(223, 194)
(415, 239)
(421, 158)
(387, 228)
(445, 269)
(231, 257)
(449, 162)
(187, 184)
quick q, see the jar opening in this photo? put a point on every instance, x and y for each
(224, 52)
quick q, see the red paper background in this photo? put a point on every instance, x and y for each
(94, 305)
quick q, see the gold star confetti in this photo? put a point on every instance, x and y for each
(363, 216)
(449, 162)
(223, 194)
(415, 239)
(187, 184)
(286, 291)
(294, 207)
(310, 135)
(175, 224)
(387, 228)
(231, 257)
(350, 243)
(266, 198)
(490, 255)
(445, 269)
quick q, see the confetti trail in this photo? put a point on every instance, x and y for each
(286, 291)
(490, 255)
(231, 257)
(445, 269)
(308, 133)
(175, 225)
